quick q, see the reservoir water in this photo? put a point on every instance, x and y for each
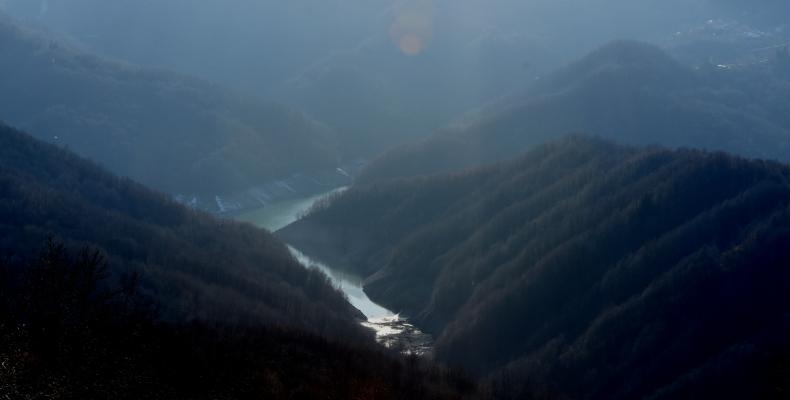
(276, 216)
(391, 330)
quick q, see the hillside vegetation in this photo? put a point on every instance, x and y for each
(196, 266)
(110, 290)
(629, 92)
(583, 269)
(168, 131)
(342, 61)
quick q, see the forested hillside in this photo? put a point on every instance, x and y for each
(194, 265)
(65, 333)
(413, 199)
(380, 72)
(174, 133)
(110, 290)
(629, 92)
(583, 269)
(249, 44)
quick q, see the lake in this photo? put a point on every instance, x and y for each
(391, 329)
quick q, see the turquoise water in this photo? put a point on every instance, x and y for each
(279, 215)
(391, 329)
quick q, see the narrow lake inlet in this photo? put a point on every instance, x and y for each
(391, 329)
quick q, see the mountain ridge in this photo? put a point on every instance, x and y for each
(48, 191)
(627, 91)
(172, 132)
(542, 268)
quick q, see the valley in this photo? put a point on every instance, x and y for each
(519, 280)
(391, 329)
(394, 199)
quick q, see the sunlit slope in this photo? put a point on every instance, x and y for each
(168, 131)
(583, 268)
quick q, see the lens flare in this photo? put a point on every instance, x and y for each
(411, 44)
(412, 30)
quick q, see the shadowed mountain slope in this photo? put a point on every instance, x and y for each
(195, 265)
(582, 268)
(110, 290)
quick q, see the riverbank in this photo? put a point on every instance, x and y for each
(392, 330)
(295, 187)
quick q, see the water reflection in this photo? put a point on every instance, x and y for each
(278, 215)
(350, 285)
(391, 329)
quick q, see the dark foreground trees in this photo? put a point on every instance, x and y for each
(69, 332)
